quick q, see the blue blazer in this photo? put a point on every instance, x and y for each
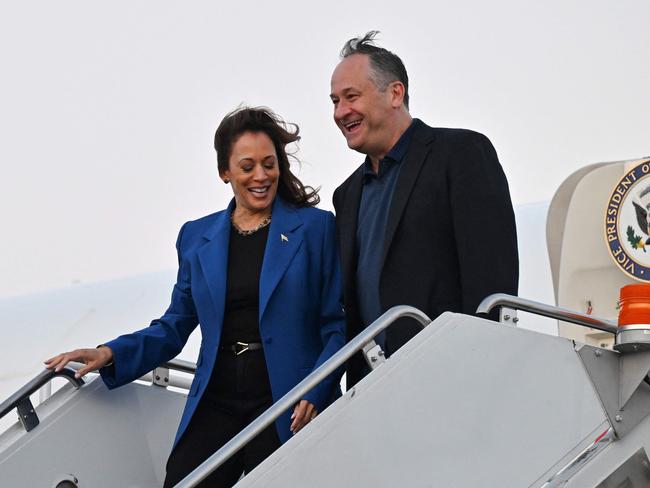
(301, 319)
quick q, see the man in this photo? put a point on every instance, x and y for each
(427, 219)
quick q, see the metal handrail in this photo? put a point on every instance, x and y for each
(298, 392)
(516, 303)
(34, 384)
(47, 375)
(180, 365)
(174, 365)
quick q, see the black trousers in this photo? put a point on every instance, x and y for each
(238, 392)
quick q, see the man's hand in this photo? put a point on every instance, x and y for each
(93, 359)
(303, 413)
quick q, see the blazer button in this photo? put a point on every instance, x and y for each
(269, 340)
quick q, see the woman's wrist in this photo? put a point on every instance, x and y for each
(109, 358)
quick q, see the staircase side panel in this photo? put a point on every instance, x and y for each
(466, 403)
(105, 438)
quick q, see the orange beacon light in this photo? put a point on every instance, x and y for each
(634, 319)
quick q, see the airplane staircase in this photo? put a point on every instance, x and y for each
(468, 402)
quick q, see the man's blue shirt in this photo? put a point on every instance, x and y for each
(376, 196)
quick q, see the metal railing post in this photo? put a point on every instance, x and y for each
(516, 303)
(20, 400)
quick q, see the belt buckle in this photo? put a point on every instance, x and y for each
(240, 348)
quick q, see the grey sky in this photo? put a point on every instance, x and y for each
(107, 110)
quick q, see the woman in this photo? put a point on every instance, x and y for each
(263, 280)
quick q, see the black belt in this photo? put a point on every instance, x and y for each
(241, 347)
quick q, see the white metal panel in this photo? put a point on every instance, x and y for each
(120, 438)
(467, 403)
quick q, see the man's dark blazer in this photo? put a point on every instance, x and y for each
(450, 238)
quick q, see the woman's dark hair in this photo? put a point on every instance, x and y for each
(262, 119)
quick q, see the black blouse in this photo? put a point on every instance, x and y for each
(241, 315)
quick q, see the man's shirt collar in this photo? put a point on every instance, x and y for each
(395, 155)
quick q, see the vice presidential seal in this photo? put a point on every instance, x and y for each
(627, 222)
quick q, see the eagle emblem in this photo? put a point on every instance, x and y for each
(627, 221)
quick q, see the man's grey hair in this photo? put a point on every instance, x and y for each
(385, 66)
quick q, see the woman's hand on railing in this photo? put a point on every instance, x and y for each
(303, 413)
(93, 359)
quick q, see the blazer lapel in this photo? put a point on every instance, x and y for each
(213, 256)
(285, 237)
(408, 175)
(347, 222)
